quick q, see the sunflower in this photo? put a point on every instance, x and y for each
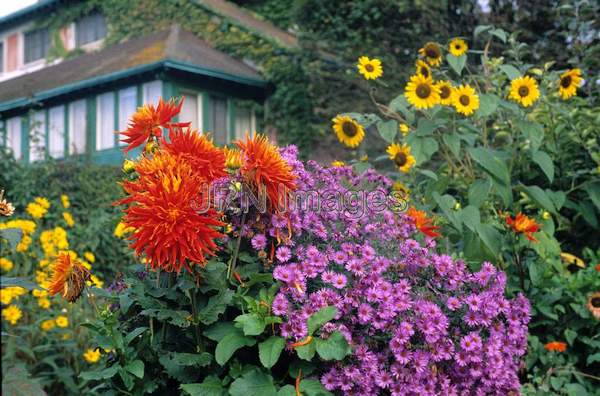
(524, 90)
(264, 168)
(593, 304)
(458, 47)
(175, 223)
(421, 92)
(422, 222)
(401, 156)
(348, 131)
(197, 150)
(371, 69)
(522, 224)
(465, 100)
(432, 53)
(445, 88)
(569, 82)
(68, 277)
(148, 121)
(423, 69)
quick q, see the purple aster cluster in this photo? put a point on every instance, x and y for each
(418, 322)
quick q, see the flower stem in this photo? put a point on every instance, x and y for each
(233, 262)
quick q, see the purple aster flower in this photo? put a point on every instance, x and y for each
(259, 242)
(283, 254)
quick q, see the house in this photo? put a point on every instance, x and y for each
(71, 107)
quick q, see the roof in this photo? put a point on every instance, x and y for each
(169, 49)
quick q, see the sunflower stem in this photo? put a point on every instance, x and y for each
(233, 262)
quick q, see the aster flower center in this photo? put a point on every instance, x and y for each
(444, 92)
(400, 159)
(523, 91)
(423, 91)
(464, 100)
(349, 129)
(369, 67)
(565, 82)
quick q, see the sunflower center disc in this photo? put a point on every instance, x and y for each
(464, 100)
(349, 129)
(369, 68)
(523, 91)
(424, 72)
(565, 81)
(400, 159)
(431, 52)
(596, 302)
(423, 91)
(444, 92)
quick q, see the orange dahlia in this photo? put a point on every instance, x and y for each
(148, 121)
(524, 225)
(556, 346)
(68, 277)
(170, 230)
(197, 150)
(264, 168)
(422, 222)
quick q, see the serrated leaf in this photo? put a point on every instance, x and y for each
(310, 387)
(388, 130)
(335, 347)
(136, 368)
(231, 343)
(307, 352)
(253, 383)
(251, 324)
(176, 317)
(216, 306)
(320, 317)
(191, 359)
(219, 330)
(270, 350)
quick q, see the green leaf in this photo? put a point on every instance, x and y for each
(470, 216)
(12, 235)
(488, 104)
(490, 162)
(481, 29)
(479, 191)
(457, 63)
(335, 347)
(501, 34)
(251, 324)
(287, 390)
(231, 343)
(216, 306)
(313, 388)
(270, 350)
(307, 352)
(388, 130)
(593, 358)
(219, 330)
(214, 277)
(593, 191)
(176, 317)
(399, 103)
(320, 317)
(490, 236)
(253, 383)
(18, 282)
(211, 386)
(428, 173)
(422, 148)
(136, 368)
(425, 127)
(540, 198)
(570, 336)
(453, 142)
(134, 333)
(545, 163)
(533, 131)
(100, 374)
(16, 381)
(510, 71)
(191, 359)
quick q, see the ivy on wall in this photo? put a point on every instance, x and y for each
(289, 108)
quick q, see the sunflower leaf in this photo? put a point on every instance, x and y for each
(388, 130)
(457, 63)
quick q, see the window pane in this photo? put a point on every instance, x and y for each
(189, 110)
(243, 121)
(152, 92)
(89, 29)
(1, 57)
(105, 129)
(77, 127)
(13, 136)
(37, 137)
(127, 106)
(37, 44)
(56, 138)
(219, 119)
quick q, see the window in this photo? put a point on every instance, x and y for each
(77, 127)
(127, 106)
(13, 136)
(89, 29)
(56, 132)
(152, 92)
(1, 57)
(219, 119)
(190, 112)
(37, 44)
(105, 116)
(37, 136)
(244, 121)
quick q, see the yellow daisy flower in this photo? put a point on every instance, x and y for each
(44, 303)
(421, 92)
(348, 131)
(569, 82)
(465, 100)
(371, 69)
(401, 156)
(432, 53)
(36, 211)
(89, 256)
(403, 128)
(91, 355)
(5, 264)
(524, 90)
(64, 199)
(128, 166)
(121, 229)
(62, 321)
(458, 47)
(12, 314)
(338, 164)
(43, 202)
(68, 219)
(423, 69)
(446, 89)
(47, 325)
